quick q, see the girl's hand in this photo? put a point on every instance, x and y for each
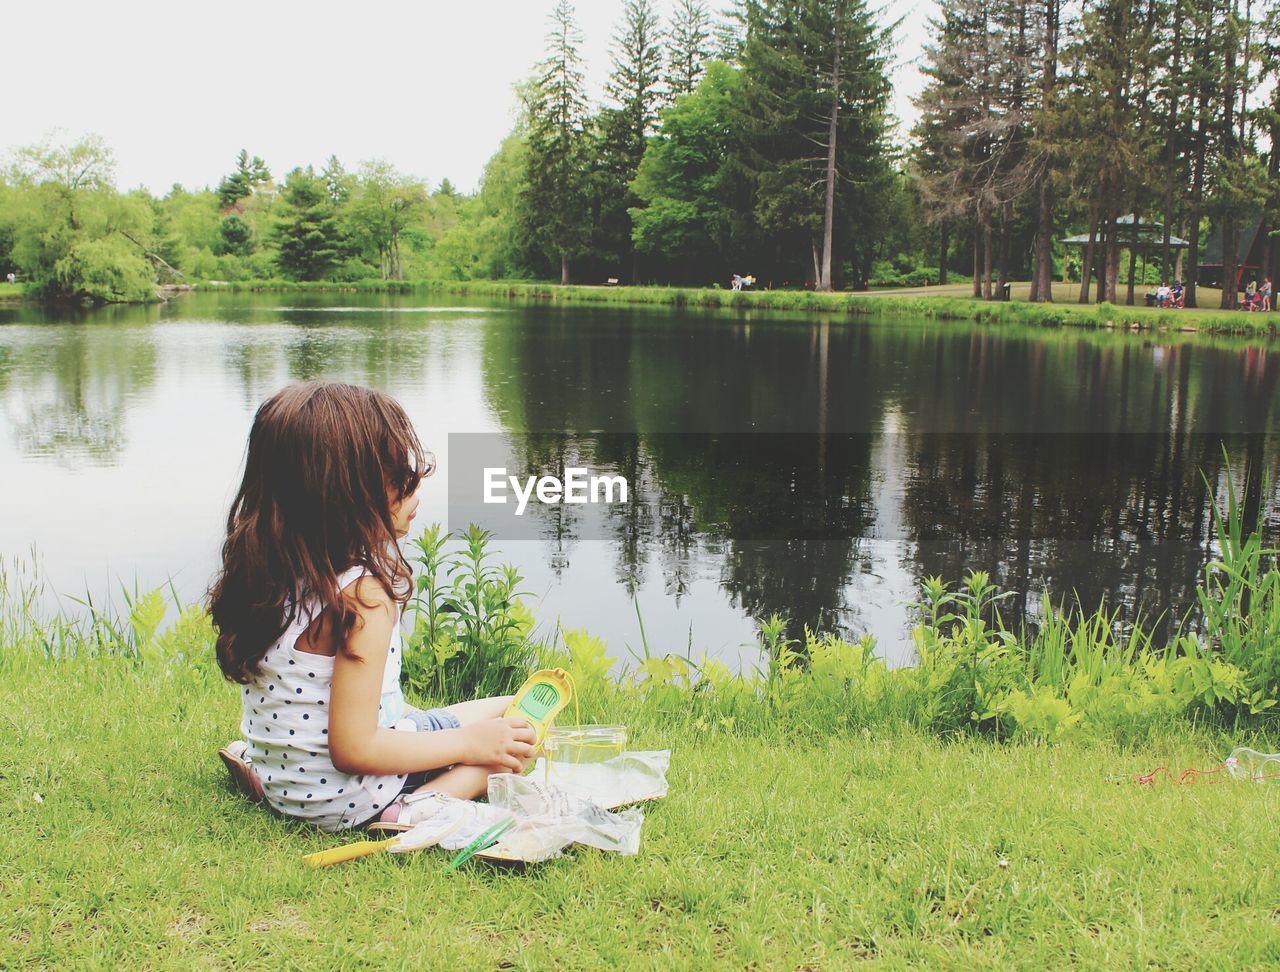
(499, 742)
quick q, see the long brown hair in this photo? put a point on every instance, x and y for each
(314, 501)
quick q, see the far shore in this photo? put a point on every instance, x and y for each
(949, 302)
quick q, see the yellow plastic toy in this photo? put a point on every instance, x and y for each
(444, 817)
(540, 699)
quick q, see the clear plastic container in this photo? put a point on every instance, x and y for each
(569, 747)
(1249, 764)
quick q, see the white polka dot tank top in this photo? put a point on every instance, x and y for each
(285, 720)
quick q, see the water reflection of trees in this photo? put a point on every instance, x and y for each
(67, 387)
(1112, 501)
(1057, 461)
(705, 419)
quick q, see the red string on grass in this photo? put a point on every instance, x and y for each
(1188, 775)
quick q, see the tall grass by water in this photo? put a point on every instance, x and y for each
(1074, 672)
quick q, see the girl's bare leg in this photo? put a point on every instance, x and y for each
(479, 709)
(463, 782)
(469, 782)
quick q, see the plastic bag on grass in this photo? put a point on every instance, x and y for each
(631, 777)
(549, 819)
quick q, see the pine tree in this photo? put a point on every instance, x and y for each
(308, 235)
(338, 181)
(249, 175)
(689, 48)
(553, 208)
(621, 130)
(817, 91)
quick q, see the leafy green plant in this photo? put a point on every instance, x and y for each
(470, 634)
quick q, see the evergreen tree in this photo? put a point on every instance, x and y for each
(689, 46)
(553, 206)
(236, 236)
(249, 175)
(976, 123)
(817, 92)
(617, 136)
(337, 181)
(308, 236)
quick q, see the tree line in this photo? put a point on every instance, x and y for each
(1043, 117)
(758, 140)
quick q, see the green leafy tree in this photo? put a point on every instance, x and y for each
(74, 237)
(553, 209)
(308, 235)
(384, 205)
(338, 181)
(689, 186)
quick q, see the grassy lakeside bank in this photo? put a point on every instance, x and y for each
(11, 291)
(946, 307)
(774, 851)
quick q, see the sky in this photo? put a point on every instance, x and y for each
(177, 89)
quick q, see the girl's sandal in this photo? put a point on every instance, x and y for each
(241, 769)
(399, 815)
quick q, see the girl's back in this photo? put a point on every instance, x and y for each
(285, 720)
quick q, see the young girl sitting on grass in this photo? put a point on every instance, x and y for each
(307, 607)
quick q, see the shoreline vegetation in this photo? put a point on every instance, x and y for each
(945, 305)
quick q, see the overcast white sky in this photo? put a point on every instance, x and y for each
(177, 89)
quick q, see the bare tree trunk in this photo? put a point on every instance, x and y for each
(1230, 226)
(829, 210)
(1197, 175)
(1002, 270)
(564, 268)
(986, 253)
(944, 232)
(1042, 274)
(1090, 255)
(817, 269)
(1230, 263)
(977, 252)
(1111, 255)
(1133, 256)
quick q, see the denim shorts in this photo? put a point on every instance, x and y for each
(427, 720)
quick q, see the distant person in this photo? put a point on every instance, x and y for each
(1176, 294)
(12, 278)
(736, 282)
(307, 610)
(1163, 293)
(1248, 301)
(1265, 293)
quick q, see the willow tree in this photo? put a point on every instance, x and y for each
(817, 93)
(553, 206)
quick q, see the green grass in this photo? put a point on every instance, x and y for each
(947, 303)
(9, 291)
(768, 852)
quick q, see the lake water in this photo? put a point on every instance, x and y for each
(811, 467)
